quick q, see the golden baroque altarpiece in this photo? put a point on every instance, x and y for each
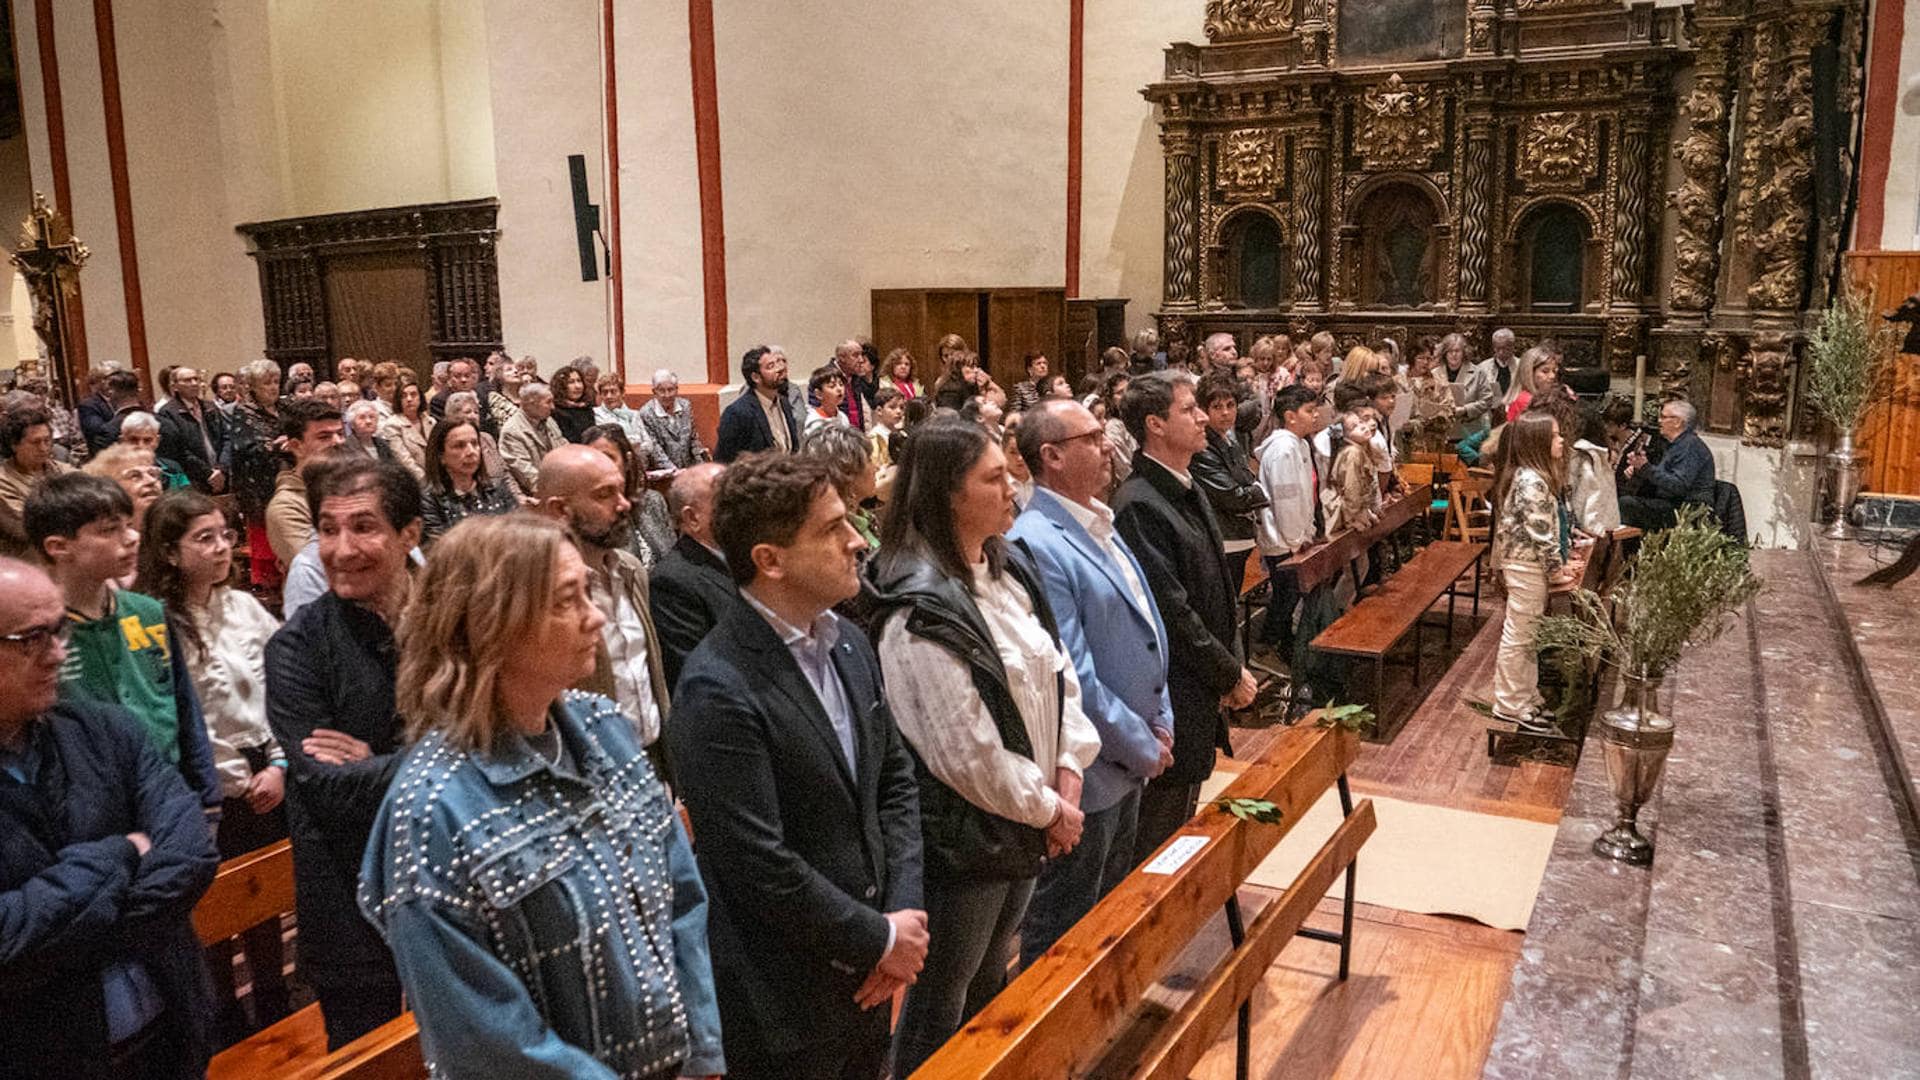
(1629, 179)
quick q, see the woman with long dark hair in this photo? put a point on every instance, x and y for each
(1527, 549)
(991, 707)
(186, 562)
(458, 484)
(572, 403)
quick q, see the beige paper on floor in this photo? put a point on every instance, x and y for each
(1429, 859)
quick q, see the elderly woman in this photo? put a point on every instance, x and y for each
(133, 469)
(26, 437)
(406, 430)
(362, 419)
(385, 380)
(668, 418)
(504, 401)
(612, 408)
(254, 431)
(466, 405)
(527, 867)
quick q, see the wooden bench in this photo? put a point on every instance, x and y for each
(247, 891)
(1376, 623)
(1058, 1019)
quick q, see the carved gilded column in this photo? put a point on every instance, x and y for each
(1630, 212)
(1310, 220)
(1476, 210)
(1702, 195)
(1183, 218)
(1314, 29)
(1780, 191)
(1481, 15)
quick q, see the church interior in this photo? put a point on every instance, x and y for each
(1682, 200)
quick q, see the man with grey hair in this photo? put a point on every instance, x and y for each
(527, 438)
(851, 358)
(464, 375)
(1222, 353)
(1485, 387)
(1111, 627)
(1684, 474)
(691, 586)
(194, 435)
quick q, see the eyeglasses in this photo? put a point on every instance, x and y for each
(1075, 438)
(36, 639)
(141, 472)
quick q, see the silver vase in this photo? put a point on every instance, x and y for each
(1635, 736)
(1844, 465)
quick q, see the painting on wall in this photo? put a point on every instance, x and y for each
(1389, 31)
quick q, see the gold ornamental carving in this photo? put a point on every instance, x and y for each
(1766, 376)
(1400, 125)
(1249, 163)
(1556, 151)
(1229, 19)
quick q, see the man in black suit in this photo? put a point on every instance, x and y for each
(762, 417)
(193, 433)
(800, 790)
(1167, 522)
(691, 588)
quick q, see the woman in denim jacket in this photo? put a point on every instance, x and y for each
(527, 868)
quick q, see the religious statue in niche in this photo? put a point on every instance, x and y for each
(1401, 125)
(1397, 249)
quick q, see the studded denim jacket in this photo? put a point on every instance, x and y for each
(546, 921)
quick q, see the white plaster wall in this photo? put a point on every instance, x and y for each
(545, 83)
(885, 145)
(659, 194)
(1123, 172)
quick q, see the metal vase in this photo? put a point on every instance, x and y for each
(1844, 465)
(1635, 737)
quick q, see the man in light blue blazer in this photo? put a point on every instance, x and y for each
(1112, 630)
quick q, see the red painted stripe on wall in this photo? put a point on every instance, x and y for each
(1076, 90)
(618, 314)
(76, 333)
(1883, 97)
(713, 230)
(122, 190)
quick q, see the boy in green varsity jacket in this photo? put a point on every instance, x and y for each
(118, 650)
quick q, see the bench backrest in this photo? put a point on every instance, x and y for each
(1055, 1019)
(1325, 561)
(246, 892)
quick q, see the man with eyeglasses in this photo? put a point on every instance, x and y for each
(103, 853)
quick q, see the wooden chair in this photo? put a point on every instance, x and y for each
(1469, 513)
(1059, 1019)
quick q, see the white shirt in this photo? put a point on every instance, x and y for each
(1286, 525)
(625, 635)
(943, 717)
(230, 676)
(1097, 519)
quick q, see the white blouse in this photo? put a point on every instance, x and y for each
(230, 676)
(942, 715)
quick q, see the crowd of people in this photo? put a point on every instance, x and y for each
(928, 670)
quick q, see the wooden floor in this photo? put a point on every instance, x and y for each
(1424, 994)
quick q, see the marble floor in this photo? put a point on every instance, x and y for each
(1777, 933)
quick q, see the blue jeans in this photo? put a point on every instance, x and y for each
(1071, 884)
(970, 928)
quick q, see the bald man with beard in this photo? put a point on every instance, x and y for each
(584, 489)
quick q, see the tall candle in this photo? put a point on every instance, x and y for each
(1639, 383)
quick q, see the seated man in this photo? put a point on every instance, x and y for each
(1683, 475)
(103, 853)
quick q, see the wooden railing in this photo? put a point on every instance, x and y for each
(1057, 1019)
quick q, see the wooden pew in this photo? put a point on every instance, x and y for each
(1376, 623)
(1323, 562)
(1056, 1019)
(246, 892)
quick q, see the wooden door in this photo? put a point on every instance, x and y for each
(1891, 434)
(377, 309)
(1020, 321)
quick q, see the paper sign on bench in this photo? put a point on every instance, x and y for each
(1176, 855)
